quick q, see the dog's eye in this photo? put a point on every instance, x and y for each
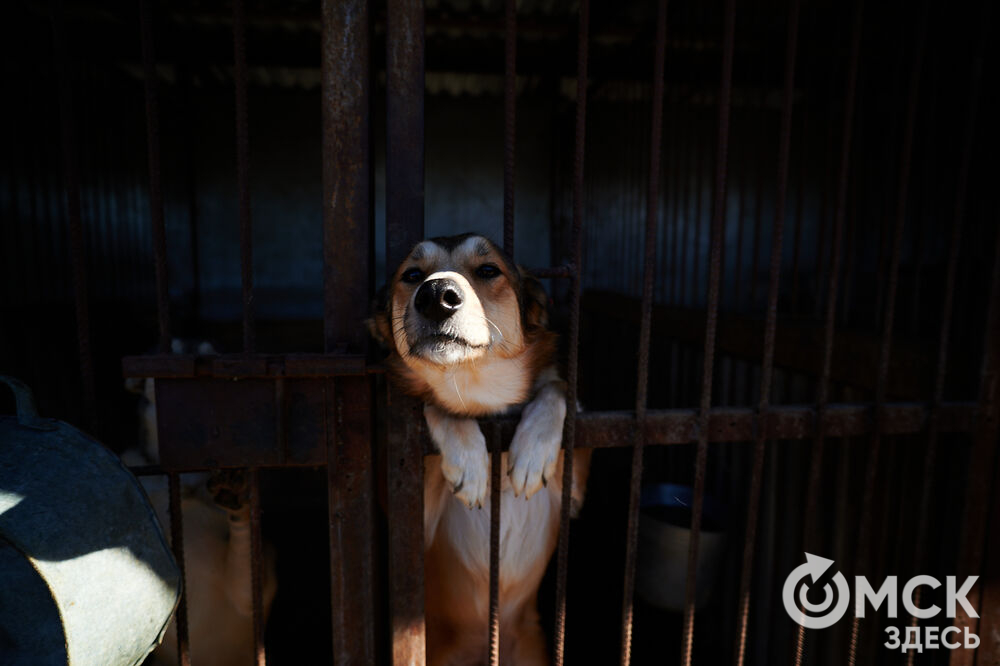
(413, 275)
(487, 271)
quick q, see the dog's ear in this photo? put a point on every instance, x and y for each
(378, 324)
(534, 302)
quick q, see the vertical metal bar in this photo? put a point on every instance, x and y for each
(718, 229)
(642, 383)
(350, 489)
(346, 171)
(405, 129)
(260, 654)
(569, 428)
(495, 481)
(347, 251)
(770, 327)
(243, 173)
(822, 394)
(958, 224)
(981, 468)
(155, 182)
(510, 124)
(177, 545)
(405, 228)
(77, 248)
(890, 308)
(405, 457)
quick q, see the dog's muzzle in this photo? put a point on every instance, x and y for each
(438, 299)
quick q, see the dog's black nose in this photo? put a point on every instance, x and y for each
(438, 299)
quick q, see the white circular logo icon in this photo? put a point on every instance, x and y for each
(797, 604)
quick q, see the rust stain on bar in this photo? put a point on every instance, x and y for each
(405, 228)
(715, 267)
(243, 173)
(770, 328)
(177, 545)
(642, 382)
(155, 181)
(350, 492)
(405, 129)
(346, 172)
(406, 535)
(569, 431)
(874, 453)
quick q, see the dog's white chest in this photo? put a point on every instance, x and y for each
(525, 532)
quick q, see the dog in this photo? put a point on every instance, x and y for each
(467, 334)
(216, 517)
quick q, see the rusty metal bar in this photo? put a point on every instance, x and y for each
(405, 228)
(770, 329)
(177, 545)
(717, 232)
(155, 180)
(822, 392)
(665, 427)
(958, 224)
(572, 374)
(982, 459)
(642, 381)
(495, 482)
(350, 492)
(243, 173)
(347, 252)
(405, 130)
(510, 122)
(890, 298)
(404, 453)
(346, 172)
(259, 651)
(246, 366)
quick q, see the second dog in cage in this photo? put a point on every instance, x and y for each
(216, 519)
(467, 331)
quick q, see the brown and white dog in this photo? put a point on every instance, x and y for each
(467, 333)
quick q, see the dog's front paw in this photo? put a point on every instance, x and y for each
(467, 470)
(230, 492)
(532, 463)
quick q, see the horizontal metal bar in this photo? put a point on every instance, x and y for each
(248, 366)
(736, 424)
(565, 271)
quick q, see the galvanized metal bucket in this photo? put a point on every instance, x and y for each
(86, 576)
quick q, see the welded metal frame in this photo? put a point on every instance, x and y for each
(340, 386)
